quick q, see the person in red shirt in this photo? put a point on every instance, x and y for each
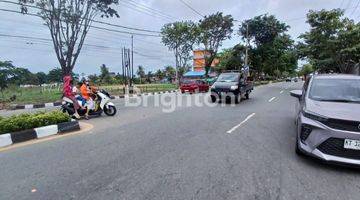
(67, 92)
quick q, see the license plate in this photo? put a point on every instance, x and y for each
(352, 144)
(223, 93)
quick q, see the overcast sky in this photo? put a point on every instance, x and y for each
(39, 56)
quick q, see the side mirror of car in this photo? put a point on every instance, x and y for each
(296, 93)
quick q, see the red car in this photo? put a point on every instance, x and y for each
(194, 86)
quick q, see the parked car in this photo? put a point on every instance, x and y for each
(288, 79)
(231, 85)
(328, 118)
(194, 86)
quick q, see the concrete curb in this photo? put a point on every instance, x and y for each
(40, 132)
(142, 94)
(55, 104)
(30, 106)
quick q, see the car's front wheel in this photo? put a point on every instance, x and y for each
(213, 98)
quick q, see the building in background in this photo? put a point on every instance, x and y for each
(199, 60)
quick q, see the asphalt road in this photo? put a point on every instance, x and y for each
(206, 152)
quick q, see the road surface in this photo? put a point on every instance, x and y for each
(196, 152)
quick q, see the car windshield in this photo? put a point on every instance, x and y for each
(228, 78)
(188, 81)
(335, 90)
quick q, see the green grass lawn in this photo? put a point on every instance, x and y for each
(37, 95)
(144, 88)
(30, 95)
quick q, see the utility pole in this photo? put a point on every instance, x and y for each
(132, 60)
(247, 45)
(176, 67)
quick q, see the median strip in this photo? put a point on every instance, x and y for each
(37, 133)
(241, 123)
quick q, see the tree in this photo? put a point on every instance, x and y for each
(159, 74)
(69, 22)
(332, 44)
(93, 78)
(41, 77)
(6, 72)
(214, 29)
(306, 70)
(104, 74)
(180, 37)
(55, 75)
(262, 29)
(140, 72)
(149, 77)
(23, 76)
(169, 72)
(183, 70)
(272, 51)
(232, 58)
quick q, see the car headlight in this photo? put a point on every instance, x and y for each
(314, 116)
(234, 87)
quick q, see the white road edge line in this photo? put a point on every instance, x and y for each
(241, 123)
(272, 99)
(282, 91)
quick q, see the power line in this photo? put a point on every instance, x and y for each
(150, 9)
(193, 9)
(143, 11)
(348, 5)
(96, 27)
(95, 21)
(357, 5)
(342, 3)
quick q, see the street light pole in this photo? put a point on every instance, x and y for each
(247, 45)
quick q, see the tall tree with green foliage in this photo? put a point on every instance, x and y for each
(332, 44)
(169, 72)
(68, 23)
(306, 70)
(41, 77)
(6, 72)
(141, 72)
(214, 29)
(55, 75)
(272, 50)
(180, 37)
(104, 74)
(232, 58)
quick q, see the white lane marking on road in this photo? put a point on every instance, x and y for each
(282, 91)
(241, 123)
(272, 99)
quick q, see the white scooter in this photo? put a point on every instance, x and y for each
(102, 103)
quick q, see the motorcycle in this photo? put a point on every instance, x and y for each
(102, 104)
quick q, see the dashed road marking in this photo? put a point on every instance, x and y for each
(241, 123)
(282, 91)
(272, 99)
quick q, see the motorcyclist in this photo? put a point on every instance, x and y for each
(86, 94)
(77, 93)
(67, 92)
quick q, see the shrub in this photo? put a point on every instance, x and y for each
(29, 121)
